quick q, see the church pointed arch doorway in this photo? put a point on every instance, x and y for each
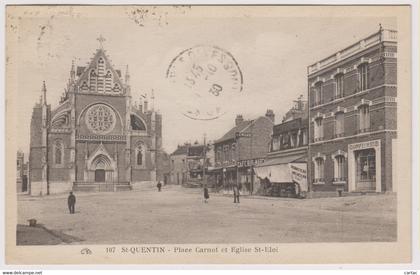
(102, 168)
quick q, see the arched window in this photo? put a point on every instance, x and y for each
(92, 80)
(101, 75)
(108, 81)
(319, 170)
(136, 123)
(339, 168)
(116, 88)
(364, 118)
(58, 152)
(84, 87)
(140, 154)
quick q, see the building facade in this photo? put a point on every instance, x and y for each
(178, 160)
(353, 116)
(283, 173)
(163, 167)
(188, 166)
(239, 150)
(95, 139)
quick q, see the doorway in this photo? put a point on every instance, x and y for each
(366, 170)
(99, 175)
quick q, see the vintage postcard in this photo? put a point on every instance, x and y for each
(208, 134)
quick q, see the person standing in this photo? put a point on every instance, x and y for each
(71, 201)
(159, 186)
(206, 194)
(235, 193)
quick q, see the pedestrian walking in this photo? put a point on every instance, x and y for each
(71, 201)
(159, 186)
(236, 193)
(206, 194)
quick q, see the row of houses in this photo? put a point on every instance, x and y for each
(340, 140)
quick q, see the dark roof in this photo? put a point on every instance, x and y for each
(196, 150)
(231, 133)
(181, 150)
(291, 125)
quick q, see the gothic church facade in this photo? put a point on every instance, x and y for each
(95, 139)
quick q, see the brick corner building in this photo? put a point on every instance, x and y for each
(353, 117)
(240, 149)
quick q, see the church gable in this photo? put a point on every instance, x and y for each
(100, 77)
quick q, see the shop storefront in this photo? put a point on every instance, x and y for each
(364, 166)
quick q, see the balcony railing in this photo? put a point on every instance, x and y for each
(319, 181)
(387, 35)
(338, 135)
(318, 139)
(340, 180)
(364, 130)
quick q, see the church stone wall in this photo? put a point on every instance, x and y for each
(35, 154)
(81, 94)
(58, 172)
(58, 187)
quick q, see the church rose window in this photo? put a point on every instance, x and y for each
(100, 119)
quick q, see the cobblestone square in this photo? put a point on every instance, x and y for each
(179, 215)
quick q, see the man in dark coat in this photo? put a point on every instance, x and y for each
(159, 186)
(236, 193)
(71, 200)
(206, 194)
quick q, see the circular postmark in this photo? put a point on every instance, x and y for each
(207, 78)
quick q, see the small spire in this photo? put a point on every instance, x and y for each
(127, 76)
(72, 72)
(153, 99)
(44, 92)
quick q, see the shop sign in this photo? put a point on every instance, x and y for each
(250, 162)
(298, 173)
(365, 145)
(242, 134)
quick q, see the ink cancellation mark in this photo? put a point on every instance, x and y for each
(209, 77)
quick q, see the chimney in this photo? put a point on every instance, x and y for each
(270, 115)
(238, 120)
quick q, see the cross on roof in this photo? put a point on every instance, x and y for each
(101, 40)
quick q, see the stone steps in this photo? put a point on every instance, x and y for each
(100, 187)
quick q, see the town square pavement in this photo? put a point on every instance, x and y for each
(179, 215)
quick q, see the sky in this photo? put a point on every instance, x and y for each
(273, 49)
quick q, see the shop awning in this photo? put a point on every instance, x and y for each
(284, 169)
(274, 173)
(283, 160)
